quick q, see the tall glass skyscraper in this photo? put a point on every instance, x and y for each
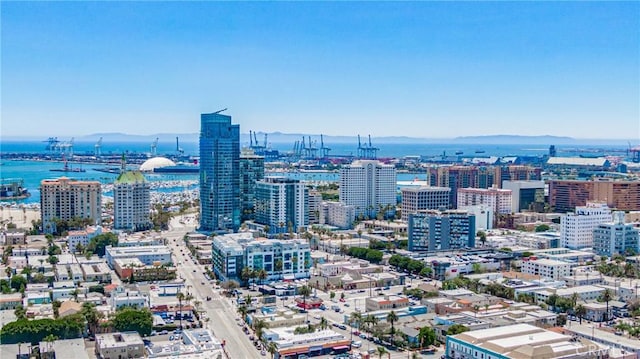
(219, 173)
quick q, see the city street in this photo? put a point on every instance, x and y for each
(222, 312)
(219, 310)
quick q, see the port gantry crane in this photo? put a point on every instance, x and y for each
(367, 151)
(324, 151)
(154, 147)
(97, 150)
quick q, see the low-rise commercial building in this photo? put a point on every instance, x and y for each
(147, 255)
(520, 341)
(119, 345)
(386, 302)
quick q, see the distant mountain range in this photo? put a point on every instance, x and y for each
(290, 138)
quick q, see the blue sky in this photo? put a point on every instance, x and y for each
(412, 68)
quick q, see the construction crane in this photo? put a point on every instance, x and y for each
(178, 148)
(154, 147)
(97, 151)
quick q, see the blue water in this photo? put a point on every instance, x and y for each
(32, 172)
(385, 150)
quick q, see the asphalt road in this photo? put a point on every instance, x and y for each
(221, 313)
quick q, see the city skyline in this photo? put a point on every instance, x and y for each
(407, 69)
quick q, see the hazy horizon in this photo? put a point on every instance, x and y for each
(425, 69)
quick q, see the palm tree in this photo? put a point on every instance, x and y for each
(245, 274)
(391, 318)
(356, 318)
(373, 321)
(382, 351)
(242, 310)
(272, 348)
(9, 271)
(91, 315)
(180, 296)
(262, 275)
(607, 296)
(580, 311)
(304, 291)
(75, 294)
(323, 323)
(258, 326)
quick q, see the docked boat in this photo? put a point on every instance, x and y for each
(13, 189)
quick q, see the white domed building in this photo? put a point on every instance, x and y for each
(157, 162)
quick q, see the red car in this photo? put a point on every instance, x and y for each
(342, 300)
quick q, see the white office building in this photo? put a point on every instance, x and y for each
(416, 199)
(576, 229)
(368, 186)
(499, 200)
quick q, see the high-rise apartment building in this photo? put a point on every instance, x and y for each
(435, 230)
(281, 204)
(219, 173)
(499, 200)
(131, 202)
(369, 186)
(565, 195)
(616, 237)
(65, 199)
(251, 171)
(576, 229)
(315, 206)
(416, 199)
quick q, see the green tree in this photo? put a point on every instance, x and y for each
(99, 243)
(482, 236)
(426, 337)
(382, 351)
(20, 312)
(456, 329)
(606, 297)
(392, 317)
(56, 308)
(542, 227)
(272, 348)
(131, 319)
(18, 282)
(580, 311)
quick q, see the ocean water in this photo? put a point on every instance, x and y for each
(32, 172)
(385, 149)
